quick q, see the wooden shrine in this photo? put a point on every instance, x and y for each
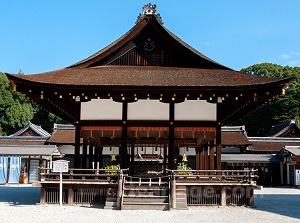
(149, 89)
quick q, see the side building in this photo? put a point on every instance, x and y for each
(23, 152)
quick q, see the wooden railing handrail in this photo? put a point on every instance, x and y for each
(46, 174)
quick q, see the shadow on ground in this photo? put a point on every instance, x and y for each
(283, 204)
(20, 195)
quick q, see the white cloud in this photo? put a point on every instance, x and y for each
(294, 63)
(206, 43)
(285, 56)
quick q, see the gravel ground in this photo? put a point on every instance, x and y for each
(21, 204)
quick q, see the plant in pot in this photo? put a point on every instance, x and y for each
(111, 170)
(184, 169)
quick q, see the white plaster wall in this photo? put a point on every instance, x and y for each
(103, 109)
(148, 110)
(195, 110)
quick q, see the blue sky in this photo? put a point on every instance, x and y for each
(43, 35)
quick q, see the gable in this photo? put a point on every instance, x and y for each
(152, 48)
(148, 43)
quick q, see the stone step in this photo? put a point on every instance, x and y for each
(146, 206)
(137, 193)
(145, 199)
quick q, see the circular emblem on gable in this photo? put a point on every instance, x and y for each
(149, 44)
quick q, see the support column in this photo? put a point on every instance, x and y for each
(96, 156)
(281, 173)
(202, 166)
(119, 190)
(197, 159)
(84, 153)
(206, 148)
(223, 196)
(288, 174)
(218, 147)
(43, 195)
(132, 159)
(165, 158)
(70, 195)
(123, 149)
(171, 137)
(250, 196)
(173, 191)
(211, 156)
(77, 162)
(91, 153)
(101, 156)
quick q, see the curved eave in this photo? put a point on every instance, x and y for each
(237, 100)
(148, 77)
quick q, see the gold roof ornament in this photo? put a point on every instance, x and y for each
(113, 157)
(184, 158)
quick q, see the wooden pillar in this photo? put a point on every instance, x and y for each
(211, 155)
(70, 195)
(101, 156)
(165, 158)
(123, 149)
(43, 195)
(120, 190)
(132, 159)
(223, 196)
(218, 147)
(171, 137)
(91, 153)
(206, 148)
(77, 163)
(218, 139)
(202, 166)
(197, 159)
(96, 156)
(250, 196)
(84, 153)
(198, 148)
(173, 191)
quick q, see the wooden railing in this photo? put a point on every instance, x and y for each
(95, 175)
(214, 175)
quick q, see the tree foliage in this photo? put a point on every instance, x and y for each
(45, 119)
(286, 107)
(16, 111)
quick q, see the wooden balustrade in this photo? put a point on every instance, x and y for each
(90, 175)
(215, 175)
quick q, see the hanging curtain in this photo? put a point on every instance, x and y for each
(3, 169)
(14, 170)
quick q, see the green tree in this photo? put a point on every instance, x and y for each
(286, 107)
(45, 119)
(15, 110)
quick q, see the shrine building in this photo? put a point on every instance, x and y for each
(148, 93)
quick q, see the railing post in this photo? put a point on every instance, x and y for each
(223, 196)
(173, 190)
(119, 191)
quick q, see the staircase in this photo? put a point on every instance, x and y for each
(145, 193)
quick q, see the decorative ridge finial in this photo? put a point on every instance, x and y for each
(149, 9)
